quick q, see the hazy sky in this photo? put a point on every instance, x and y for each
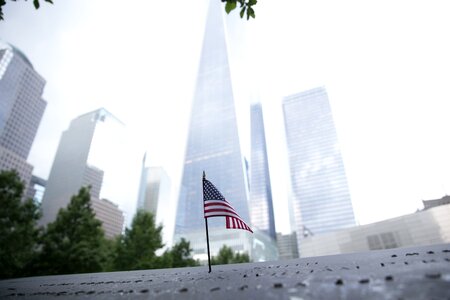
(385, 65)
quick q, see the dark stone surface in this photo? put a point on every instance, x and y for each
(407, 273)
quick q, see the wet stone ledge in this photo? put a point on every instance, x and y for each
(407, 273)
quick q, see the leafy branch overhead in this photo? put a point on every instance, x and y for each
(36, 4)
(245, 7)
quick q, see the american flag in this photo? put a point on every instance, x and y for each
(215, 205)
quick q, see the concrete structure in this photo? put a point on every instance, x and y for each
(428, 227)
(110, 215)
(320, 196)
(93, 151)
(261, 207)
(436, 202)
(213, 146)
(287, 246)
(21, 110)
(410, 273)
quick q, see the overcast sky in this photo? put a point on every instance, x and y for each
(385, 65)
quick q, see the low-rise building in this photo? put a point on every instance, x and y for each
(427, 227)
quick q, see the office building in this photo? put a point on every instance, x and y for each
(320, 195)
(93, 151)
(213, 146)
(110, 215)
(261, 211)
(21, 110)
(427, 227)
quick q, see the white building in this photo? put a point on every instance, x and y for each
(427, 227)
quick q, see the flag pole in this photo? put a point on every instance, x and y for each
(206, 225)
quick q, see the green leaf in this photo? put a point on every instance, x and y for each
(49, 1)
(36, 4)
(242, 12)
(250, 12)
(2, 3)
(252, 2)
(230, 6)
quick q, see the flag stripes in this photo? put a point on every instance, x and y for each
(215, 205)
(235, 223)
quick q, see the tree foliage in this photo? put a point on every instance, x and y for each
(74, 242)
(136, 249)
(227, 256)
(181, 255)
(36, 4)
(18, 232)
(245, 6)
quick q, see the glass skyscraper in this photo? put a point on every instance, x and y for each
(320, 194)
(21, 110)
(213, 146)
(261, 211)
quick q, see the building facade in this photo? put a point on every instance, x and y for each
(287, 246)
(92, 152)
(213, 146)
(110, 215)
(154, 197)
(154, 191)
(21, 110)
(320, 195)
(427, 227)
(261, 211)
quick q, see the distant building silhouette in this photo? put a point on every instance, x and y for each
(261, 207)
(154, 193)
(320, 195)
(91, 153)
(21, 110)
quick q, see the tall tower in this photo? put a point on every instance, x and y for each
(91, 152)
(320, 194)
(154, 197)
(154, 192)
(21, 110)
(213, 146)
(260, 189)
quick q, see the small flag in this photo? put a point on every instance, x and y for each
(215, 205)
